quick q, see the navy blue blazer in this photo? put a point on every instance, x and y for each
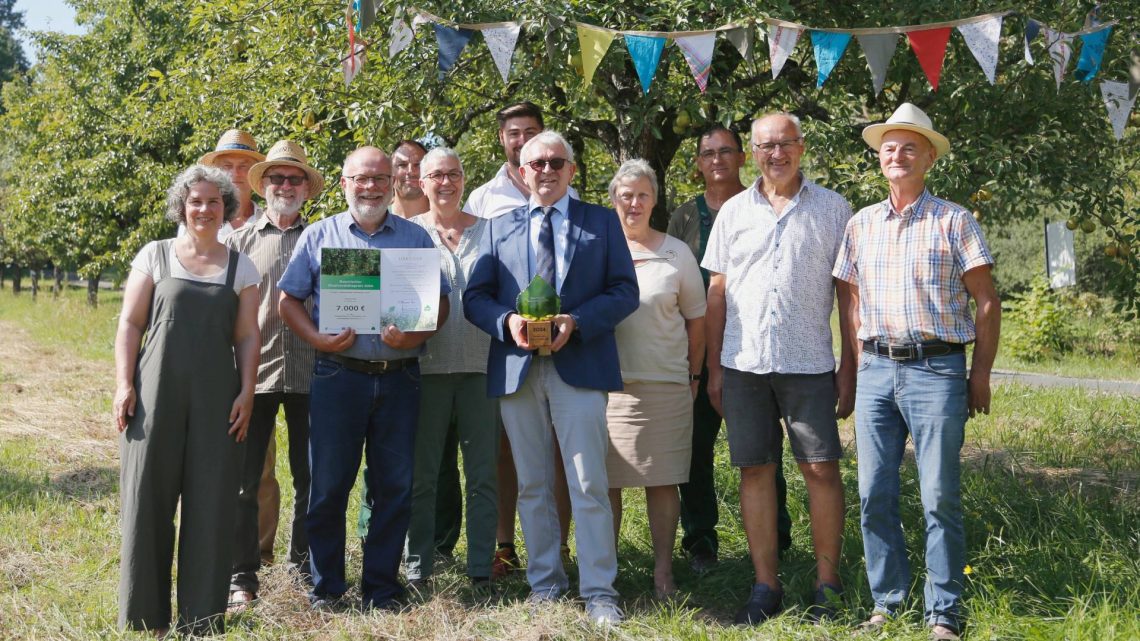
(599, 289)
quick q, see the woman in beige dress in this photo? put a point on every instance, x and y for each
(661, 347)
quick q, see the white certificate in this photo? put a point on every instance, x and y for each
(350, 291)
(409, 288)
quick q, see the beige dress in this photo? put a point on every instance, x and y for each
(651, 420)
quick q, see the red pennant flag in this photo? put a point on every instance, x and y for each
(930, 49)
(351, 40)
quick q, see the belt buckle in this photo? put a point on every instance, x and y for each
(382, 366)
(905, 352)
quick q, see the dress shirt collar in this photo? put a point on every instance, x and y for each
(562, 206)
(916, 209)
(351, 225)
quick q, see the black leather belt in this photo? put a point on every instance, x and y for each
(912, 351)
(370, 367)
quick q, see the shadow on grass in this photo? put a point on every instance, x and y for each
(86, 484)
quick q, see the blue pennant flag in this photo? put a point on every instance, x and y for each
(829, 48)
(451, 43)
(1092, 52)
(646, 54)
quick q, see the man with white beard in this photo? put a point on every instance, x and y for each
(286, 181)
(364, 395)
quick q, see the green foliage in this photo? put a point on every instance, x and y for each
(538, 301)
(1038, 325)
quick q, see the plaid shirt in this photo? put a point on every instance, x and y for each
(908, 267)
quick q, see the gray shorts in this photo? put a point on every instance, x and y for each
(754, 404)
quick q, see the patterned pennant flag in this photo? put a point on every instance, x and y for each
(982, 39)
(744, 39)
(646, 54)
(781, 41)
(1032, 28)
(879, 48)
(930, 48)
(1059, 50)
(451, 44)
(399, 35)
(698, 51)
(501, 41)
(1092, 51)
(829, 48)
(594, 42)
(1118, 103)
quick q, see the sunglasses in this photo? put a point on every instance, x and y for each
(555, 164)
(296, 181)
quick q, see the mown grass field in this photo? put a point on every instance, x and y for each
(1050, 489)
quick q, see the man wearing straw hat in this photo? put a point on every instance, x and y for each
(912, 263)
(286, 181)
(235, 153)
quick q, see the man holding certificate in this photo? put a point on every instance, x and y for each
(377, 296)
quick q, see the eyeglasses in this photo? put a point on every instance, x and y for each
(278, 179)
(556, 164)
(784, 145)
(438, 177)
(723, 152)
(362, 180)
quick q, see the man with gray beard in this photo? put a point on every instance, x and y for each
(286, 181)
(364, 394)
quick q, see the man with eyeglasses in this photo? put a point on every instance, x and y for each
(720, 156)
(409, 197)
(286, 181)
(580, 250)
(770, 356)
(364, 395)
(913, 262)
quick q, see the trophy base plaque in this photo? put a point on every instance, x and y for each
(540, 334)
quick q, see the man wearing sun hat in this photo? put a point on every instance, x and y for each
(912, 263)
(235, 153)
(286, 181)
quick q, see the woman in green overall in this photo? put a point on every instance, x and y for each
(182, 405)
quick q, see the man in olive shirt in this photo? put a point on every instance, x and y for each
(720, 155)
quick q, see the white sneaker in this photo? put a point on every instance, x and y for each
(603, 611)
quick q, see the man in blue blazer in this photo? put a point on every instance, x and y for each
(581, 250)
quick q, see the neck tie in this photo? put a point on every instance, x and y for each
(544, 253)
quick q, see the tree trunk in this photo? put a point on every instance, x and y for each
(57, 288)
(1, 275)
(17, 274)
(35, 283)
(93, 291)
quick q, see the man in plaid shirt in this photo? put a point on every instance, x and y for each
(912, 263)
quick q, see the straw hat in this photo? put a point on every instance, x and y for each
(234, 141)
(289, 153)
(910, 118)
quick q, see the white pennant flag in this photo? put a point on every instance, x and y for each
(1118, 103)
(879, 48)
(982, 39)
(1059, 51)
(399, 35)
(352, 65)
(781, 41)
(501, 41)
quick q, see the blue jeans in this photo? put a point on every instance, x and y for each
(351, 412)
(927, 400)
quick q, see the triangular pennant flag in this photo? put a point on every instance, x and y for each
(1118, 103)
(1134, 75)
(353, 64)
(646, 54)
(781, 41)
(1032, 28)
(365, 14)
(451, 43)
(698, 51)
(399, 35)
(419, 19)
(879, 48)
(1092, 51)
(744, 39)
(982, 39)
(930, 48)
(829, 48)
(1059, 51)
(501, 41)
(594, 43)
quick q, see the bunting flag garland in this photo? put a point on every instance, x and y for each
(594, 42)
(1059, 51)
(1092, 52)
(828, 48)
(1119, 104)
(982, 39)
(354, 61)
(501, 41)
(698, 51)
(879, 48)
(1032, 28)
(451, 44)
(930, 48)
(646, 54)
(399, 35)
(781, 40)
(744, 39)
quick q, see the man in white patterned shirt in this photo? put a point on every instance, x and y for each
(770, 356)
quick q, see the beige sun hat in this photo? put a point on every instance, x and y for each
(286, 152)
(234, 141)
(910, 118)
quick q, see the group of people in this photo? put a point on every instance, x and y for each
(658, 337)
